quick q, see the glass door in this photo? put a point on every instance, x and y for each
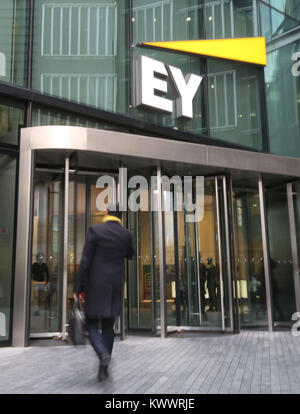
(198, 267)
(46, 270)
(140, 301)
(58, 241)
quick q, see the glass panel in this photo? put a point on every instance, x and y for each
(234, 104)
(7, 208)
(156, 261)
(282, 16)
(209, 267)
(140, 269)
(296, 199)
(76, 231)
(194, 292)
(46, 254)
(170, 270)
(96, 215)
(188, 281)
(11, 117)
(281, 262)
(13, 40)
(283, 100)
(225, 19)
(250, 267)
(80, 52)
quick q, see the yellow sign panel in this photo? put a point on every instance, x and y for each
(244, 49)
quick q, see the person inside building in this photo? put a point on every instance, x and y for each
(202, 283)
(40, 281)
(101, 277)
(211, 277)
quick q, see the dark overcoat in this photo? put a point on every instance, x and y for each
(101, 272)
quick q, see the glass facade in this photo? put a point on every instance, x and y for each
(249, 256)
(13, 43)
(86, 52)
(283, 100)
(279, 16)
(83, 55)
(11, 119)
(79, 52)
(281, 260)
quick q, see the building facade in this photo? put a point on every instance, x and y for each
(70, 114)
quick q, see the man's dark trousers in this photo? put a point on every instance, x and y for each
(101, 342)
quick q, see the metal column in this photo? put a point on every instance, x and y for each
(162, 259)
(228, 249)
(220, 254)
(65, 248)
(21, 314)
(122, 198)
(266, 252)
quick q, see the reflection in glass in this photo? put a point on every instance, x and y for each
(11, 117)
(79, 52)
(209, 263)
(281, 17)
(13, 31)
(234, 103)
(281, 262)
(283, 92)
(46, 254)
(193, 275)
(170, 268)
(226, 19)
(140, 270)
(250, 267)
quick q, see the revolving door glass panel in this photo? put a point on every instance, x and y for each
(47, 298)
(46, 253)
(197, 284)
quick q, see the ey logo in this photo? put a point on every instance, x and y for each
(153, 75)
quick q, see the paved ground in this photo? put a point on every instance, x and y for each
(251, 362)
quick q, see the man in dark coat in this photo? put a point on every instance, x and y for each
(211, 277)
(101, 278)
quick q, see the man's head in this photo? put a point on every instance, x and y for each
(114, 210)
(40, 258)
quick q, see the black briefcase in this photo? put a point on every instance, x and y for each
(76, 329)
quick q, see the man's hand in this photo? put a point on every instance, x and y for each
(75, 297)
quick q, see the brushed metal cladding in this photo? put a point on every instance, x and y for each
(22, 250)
(123, 144)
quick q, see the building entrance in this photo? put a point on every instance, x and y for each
(195, 262)
(195, 254)
(218, 272)
(53, 269)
